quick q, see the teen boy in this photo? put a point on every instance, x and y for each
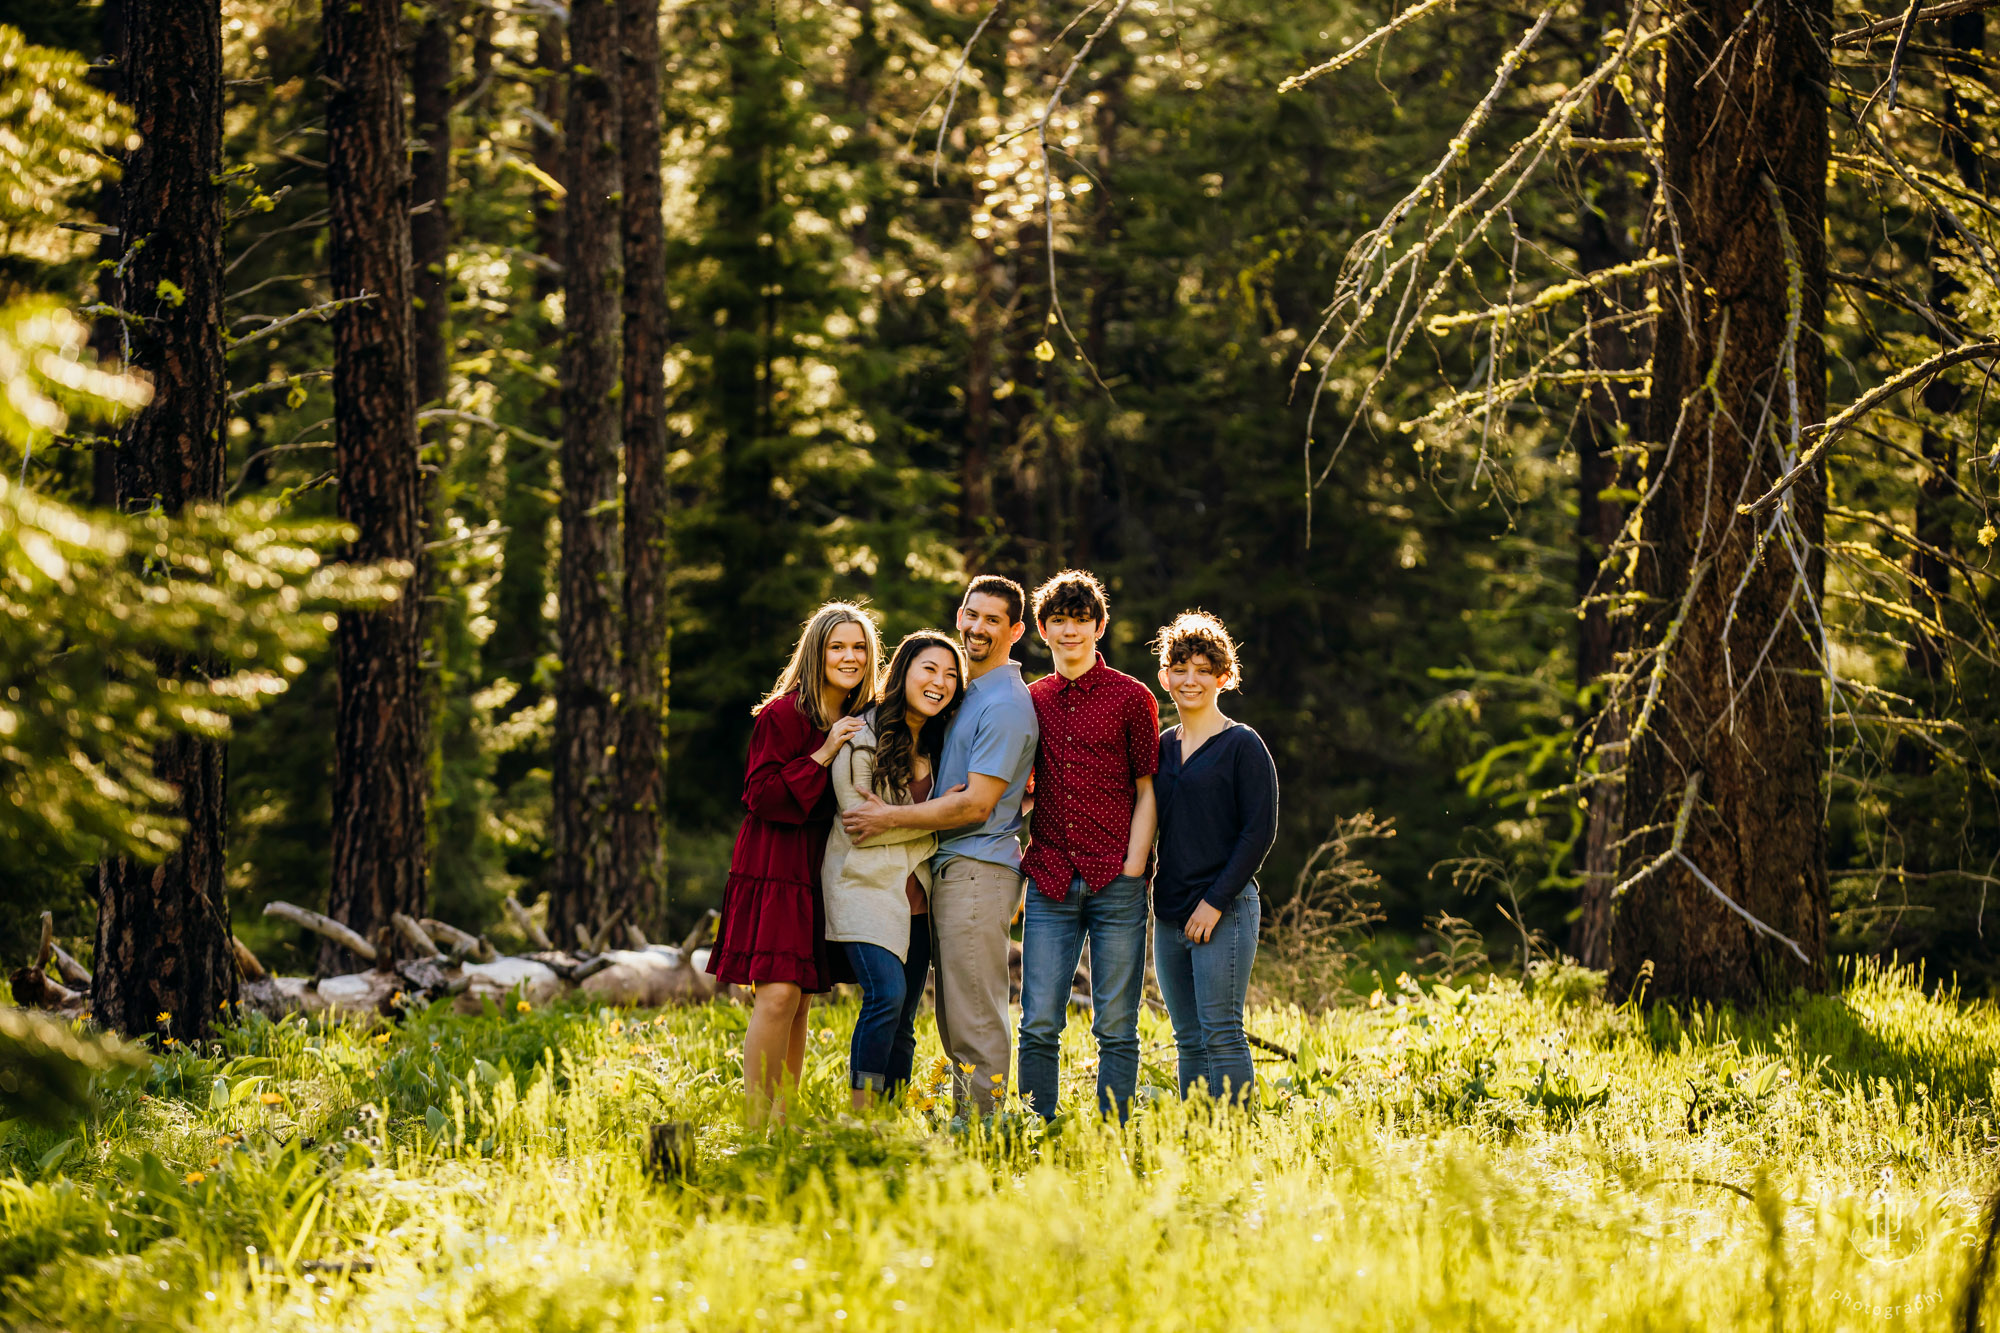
(976, 875)
(1089, 843)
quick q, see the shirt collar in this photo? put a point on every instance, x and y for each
(1001, 670)
(1098, 673)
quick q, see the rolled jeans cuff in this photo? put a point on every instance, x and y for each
(869, 1082)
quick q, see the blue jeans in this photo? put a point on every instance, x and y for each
(885, 1032)
(1114, 919)
(1204, 986)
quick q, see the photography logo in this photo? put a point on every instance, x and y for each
(1890, 1233)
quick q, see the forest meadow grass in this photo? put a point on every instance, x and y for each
(1470, 1157)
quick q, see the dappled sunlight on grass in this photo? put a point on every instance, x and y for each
(1452, 1158)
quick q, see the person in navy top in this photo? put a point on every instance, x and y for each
(1217, 797)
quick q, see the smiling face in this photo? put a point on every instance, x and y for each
(1071, 638)
(932, 683)
(987, 629)
(847, 657)
(1191, 683)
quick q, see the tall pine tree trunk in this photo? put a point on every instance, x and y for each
(163, 930)
(1613, 228)
(1728, 742)
(381, 733)
(585, 728)
(107, 332)
(430, 217)
(638, 870)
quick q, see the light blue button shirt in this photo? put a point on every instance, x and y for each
(994, 733)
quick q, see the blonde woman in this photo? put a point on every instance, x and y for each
(773, 931)
(878, 889)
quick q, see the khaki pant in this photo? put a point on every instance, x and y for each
(972, 907)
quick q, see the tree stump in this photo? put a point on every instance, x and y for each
(670, 1152)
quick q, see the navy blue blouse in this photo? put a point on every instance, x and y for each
(1218, 819)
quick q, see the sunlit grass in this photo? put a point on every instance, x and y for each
(1475, 1158)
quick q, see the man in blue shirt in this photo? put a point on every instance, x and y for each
(976, 877)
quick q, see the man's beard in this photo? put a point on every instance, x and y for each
(973, 646)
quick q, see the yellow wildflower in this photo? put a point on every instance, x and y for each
(523, 1006)
(163, 1017)
(966, 1067)
(170, 1042)
(381, 1039)
(1375, 1000)
(1987, 534)
(1045, 350)
(271, 1099)
(193, 1178)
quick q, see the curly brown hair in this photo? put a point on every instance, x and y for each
(1074, 592)
(1199, 634)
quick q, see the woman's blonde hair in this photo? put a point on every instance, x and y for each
(806, 672)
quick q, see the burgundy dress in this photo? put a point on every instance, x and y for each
(773, 918)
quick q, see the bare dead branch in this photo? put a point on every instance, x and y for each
(1832, 430)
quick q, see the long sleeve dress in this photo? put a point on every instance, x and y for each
(773, 917)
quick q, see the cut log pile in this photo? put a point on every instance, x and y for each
(414, 962)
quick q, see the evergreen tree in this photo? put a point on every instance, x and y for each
(382, 733)
(163, 929)
(585, 735)
(637, 854)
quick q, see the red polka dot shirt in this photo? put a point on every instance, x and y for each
(1100, 734)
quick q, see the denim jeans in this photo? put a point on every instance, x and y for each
(1114, 920)
(1204, 986)
(885, 1032)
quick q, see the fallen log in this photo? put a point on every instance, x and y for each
(33, 986)
(247, 966)
(463, 944)
(414, 934)
(536, 935)
(323, 926)
(74, 974)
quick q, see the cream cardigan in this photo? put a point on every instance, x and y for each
(863, 882)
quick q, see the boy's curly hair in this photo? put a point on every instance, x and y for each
(1075, 593)
(1199, 634)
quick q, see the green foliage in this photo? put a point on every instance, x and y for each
(56, 135)
(90, 604)
(47, 1070)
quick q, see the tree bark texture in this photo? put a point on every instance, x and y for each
(593, 282)
(381, 731)
(638, 875)
(1729, 690)
(1613, 233)
(163, 930)
(107, 332)
(430, 220)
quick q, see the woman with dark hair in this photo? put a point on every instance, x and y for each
(1217, 792)
(877, 890)
(773, 930)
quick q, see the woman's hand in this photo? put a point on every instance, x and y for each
(837, 735)
(1201, 925)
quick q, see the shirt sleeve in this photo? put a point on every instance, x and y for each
(1256, 783)
(1142, 733)
(1001, 749)
(781, 781)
